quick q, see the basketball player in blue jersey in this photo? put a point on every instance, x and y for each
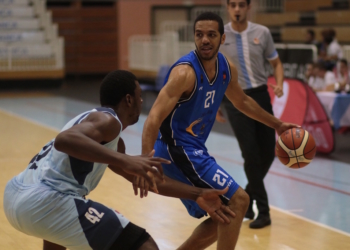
(181, 118)
(47, 199)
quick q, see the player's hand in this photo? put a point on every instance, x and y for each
(141, 165)
(220, 116)
(142, 184)
(278, 90)
(285, 126)
(210, 201)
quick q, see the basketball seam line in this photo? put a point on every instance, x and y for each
(294, 148)
(298, 155)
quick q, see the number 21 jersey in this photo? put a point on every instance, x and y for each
(190, 122)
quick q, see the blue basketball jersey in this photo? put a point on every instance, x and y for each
(63, 172)
(190, 122)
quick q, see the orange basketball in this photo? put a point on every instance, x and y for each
(295, 148)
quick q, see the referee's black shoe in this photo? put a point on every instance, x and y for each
(260, 222)
(249, 214)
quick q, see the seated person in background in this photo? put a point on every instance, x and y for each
(329, 50)
(342, 75)
(309, 75)
(310, 37)
(324, 80)
(334, 50)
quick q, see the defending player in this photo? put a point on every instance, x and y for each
(180, 121)
(47, 199)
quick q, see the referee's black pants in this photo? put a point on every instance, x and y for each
(257, 143)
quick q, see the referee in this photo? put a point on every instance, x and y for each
(248, 45)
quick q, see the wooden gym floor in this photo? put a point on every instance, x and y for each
(310, 208)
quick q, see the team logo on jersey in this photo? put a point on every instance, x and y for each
(189, 128)
(256, 41)
(200, 88)
(198, 152)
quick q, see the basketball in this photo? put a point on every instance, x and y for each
(295, 148)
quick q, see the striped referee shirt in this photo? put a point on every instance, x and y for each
(248, 51)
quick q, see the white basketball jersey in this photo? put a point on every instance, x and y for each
(63, 172)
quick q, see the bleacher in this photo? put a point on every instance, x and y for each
(295, 17)
(29, 44)
(288, 21)
(149, 53)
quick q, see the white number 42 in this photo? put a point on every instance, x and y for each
(93, 218)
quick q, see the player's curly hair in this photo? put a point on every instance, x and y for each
(248, 1)
(212, 17)
(116, 85)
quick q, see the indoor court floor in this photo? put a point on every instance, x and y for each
(310, 207)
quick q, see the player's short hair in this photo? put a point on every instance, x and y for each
(116, 85)
(210, 16)
(248, 2)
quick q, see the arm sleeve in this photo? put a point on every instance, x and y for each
(270, 51)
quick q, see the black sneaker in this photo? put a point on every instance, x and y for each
(249, 214)
(260, 222)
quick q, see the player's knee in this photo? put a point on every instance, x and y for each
(240, 200)
(149, 244)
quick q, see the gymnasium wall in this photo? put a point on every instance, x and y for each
(134, 18)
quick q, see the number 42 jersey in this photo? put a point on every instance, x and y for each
(192, 119)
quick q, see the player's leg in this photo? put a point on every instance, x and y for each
(204, 235)
(202, 171)
(52, 246)
(228, 233)
(134, 237)
(150, 244)
(105, 228)
(68, 220)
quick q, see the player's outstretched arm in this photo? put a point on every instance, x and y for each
(83, 141)
(249, 107)
(207, 199)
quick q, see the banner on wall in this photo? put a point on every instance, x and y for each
(300, 105)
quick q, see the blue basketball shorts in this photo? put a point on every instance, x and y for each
(64, 219)
(195, 167)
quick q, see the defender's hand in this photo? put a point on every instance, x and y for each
(210, 201)
(141, 165)
(142, 184)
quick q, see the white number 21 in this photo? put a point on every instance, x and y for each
(219, 177)
(210, 95)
